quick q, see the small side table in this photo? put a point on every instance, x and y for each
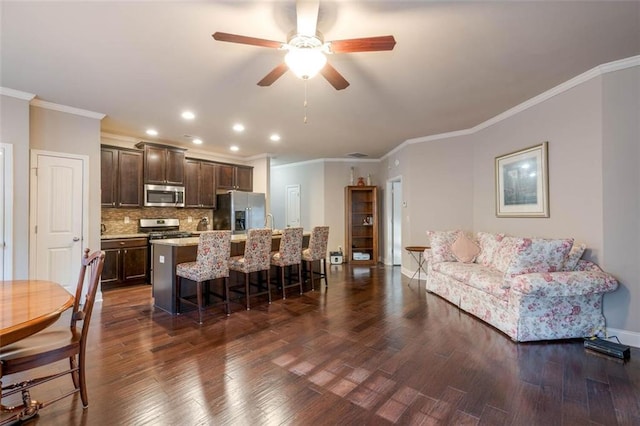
(417, 252)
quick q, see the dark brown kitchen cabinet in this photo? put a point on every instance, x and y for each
(163, 165)
(200, 184)
(125, 262)
(231, 176)
(121, 177)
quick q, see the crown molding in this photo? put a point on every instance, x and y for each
(5, 91)
(328, 160)
(69, 110)
(561, 88)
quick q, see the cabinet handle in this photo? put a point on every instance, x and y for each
(122, 243)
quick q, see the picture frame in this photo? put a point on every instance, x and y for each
(522, 183)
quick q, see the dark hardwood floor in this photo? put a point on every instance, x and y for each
(370, 350)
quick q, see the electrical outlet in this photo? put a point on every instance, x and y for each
(161, 259)
(189, 219)
(126, 219)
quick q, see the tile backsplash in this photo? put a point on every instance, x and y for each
(114, 219)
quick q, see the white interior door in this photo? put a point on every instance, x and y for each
(6, 211)
(397, 222)
(2, 214)
(59, 214)
(292, 218)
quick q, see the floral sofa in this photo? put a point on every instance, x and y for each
(529, 288)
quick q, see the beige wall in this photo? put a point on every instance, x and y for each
(621, 195)
(14, 130)
(62, 132)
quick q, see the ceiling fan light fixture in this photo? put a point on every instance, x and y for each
(305, 62)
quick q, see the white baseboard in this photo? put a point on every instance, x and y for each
(630, 338)
(408, 273)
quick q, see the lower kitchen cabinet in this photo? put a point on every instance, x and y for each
(126, 262)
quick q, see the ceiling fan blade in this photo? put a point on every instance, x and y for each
(366, 44)
(275, 74)
(307, 17)
(334, 77)
(234, 38)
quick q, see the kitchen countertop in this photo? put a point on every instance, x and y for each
(193, 241)
(122, 236)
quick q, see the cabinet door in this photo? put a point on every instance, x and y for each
(208, 185)
(225, 174)
(244, 178)
(129, 179)
(174, 167)
(192, 183)
(111, 268)
(154, 165)
(108, 176)
(134, 264)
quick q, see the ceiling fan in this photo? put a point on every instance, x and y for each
(306, 48)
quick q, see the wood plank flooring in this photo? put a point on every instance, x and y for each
(369, 350)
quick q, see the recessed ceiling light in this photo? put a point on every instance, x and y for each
(188, 115)
(234, 148)
(197, 141)
(275, 137)
(152, 132)
(238, 127)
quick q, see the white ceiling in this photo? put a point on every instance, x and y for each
(455, 65)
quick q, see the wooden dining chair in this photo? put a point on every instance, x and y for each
(289, 254)
(53, 344)
(256, 258)
(317, 251)
(212, 263)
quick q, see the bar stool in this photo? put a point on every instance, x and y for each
(289, 254)
(212, 262)
(317, 251)
(257, 256)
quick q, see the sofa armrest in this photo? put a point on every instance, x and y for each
(572, 283)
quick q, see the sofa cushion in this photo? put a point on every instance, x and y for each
(489, 244)
(440, 242)
(464, 249)
(502, 257)
(539, 255)
(483, 278)
(574, 255)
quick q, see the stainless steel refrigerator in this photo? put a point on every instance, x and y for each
(239, 211)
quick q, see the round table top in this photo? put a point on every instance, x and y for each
(417, 248)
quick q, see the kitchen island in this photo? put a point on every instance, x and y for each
(168, 253)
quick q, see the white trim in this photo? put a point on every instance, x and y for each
(123, 138)
(5, 91)
(328, 160)
(631, 338)
(561, 88)
(69, 110)
(33, 198)
(388, 225)
(8, 211)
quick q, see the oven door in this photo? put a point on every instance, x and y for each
(163, 196)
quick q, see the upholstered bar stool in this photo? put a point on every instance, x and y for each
(317, 251)
(289, 254)
(212, 262)
(257, 258)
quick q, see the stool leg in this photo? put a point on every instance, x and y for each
(299, 265)
(268, 286)
(324, 268)
(226, 291)
(284, 290)
(200, 303)
(178, 282)
(246, 286)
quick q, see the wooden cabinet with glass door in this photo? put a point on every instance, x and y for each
(361, 224)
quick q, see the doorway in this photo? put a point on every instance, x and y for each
(393, 250)
(292, 218)
(59, 216)
(6, 211)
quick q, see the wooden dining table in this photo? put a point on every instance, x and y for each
(28, 306)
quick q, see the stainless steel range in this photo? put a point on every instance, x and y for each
(160, 229)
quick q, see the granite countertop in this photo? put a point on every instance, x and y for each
(193, 241)
(122, 236)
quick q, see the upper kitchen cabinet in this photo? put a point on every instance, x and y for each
(231, 176)
(121, 177)
(200, 184)
(163, 165)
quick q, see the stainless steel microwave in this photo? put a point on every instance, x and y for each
(163, 196)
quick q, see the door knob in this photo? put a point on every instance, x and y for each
(76, 239)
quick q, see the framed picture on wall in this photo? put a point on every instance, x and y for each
(522, 183)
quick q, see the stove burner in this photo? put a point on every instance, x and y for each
(161, 235)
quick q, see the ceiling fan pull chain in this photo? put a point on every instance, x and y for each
(305, 101)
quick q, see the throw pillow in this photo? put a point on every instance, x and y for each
(464, 249)
(504, 253)
(489, 244)
(575, 254)
(440, 242)
(539, 255)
